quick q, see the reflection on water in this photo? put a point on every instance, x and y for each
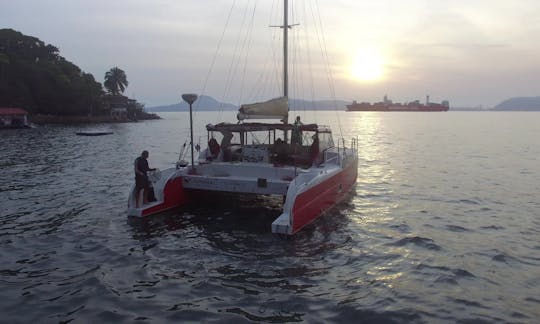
(441, 227)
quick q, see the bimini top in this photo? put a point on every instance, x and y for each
(254, 127)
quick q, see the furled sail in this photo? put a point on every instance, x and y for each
(277, 108)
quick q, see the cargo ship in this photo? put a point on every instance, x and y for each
(388, 105)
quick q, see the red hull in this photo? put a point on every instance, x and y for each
(309, 205)
(174, 195)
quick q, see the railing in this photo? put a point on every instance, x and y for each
(343, 149)
(341, 145)
(354, 144)
(334, 158)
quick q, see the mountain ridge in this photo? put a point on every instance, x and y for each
(208, 103)
(519, 104)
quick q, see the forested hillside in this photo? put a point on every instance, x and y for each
(35, 77)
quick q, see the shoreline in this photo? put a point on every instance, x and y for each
(53, 119)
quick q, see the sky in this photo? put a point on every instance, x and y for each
(471, 52)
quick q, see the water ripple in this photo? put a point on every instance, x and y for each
(423, 242)
(436, 231)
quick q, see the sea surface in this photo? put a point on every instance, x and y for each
(443, 226)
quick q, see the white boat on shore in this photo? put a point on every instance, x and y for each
(299, 162)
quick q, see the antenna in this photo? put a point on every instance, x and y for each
(190, 99)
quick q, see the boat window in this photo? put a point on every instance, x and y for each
(229, 138)
(307, 138)
(325, 141)
(256, 138)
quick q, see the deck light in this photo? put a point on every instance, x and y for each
(190, 99)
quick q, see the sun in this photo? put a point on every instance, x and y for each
(368, 65)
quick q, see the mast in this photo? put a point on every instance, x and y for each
(286, 27)
(286, 61)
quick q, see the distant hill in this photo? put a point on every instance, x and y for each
(203, 103)
(207, 103)
(519, 104)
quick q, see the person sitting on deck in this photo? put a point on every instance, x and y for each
(226, 154)
(213, 148)
(280, 151)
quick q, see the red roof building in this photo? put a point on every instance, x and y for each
(13, 117)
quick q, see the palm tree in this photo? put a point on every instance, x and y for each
(115, 81)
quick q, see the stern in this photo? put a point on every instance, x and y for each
(169, 193)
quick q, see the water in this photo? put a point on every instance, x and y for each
(443, 226)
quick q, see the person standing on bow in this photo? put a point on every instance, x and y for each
(141, 178)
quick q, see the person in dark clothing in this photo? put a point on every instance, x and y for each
(296, 137)
(280, 152)
(141, 177)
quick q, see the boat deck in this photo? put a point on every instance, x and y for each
(257, 178)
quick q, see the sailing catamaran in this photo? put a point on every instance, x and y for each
(310, 171)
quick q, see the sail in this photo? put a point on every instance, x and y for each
(277, 108)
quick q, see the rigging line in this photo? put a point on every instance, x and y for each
(292, 63)
(272, 83)
(310, 61)
(218, 48)
(249, 39)
(277, 80)
(308, 104)
(297, 70)
(299, 67)
(232, 71)
(269, 86)
(277, 49)
(261, 87)
(274, 79)
(299, 74)
(241, 56)
(330, 75)
(257, 90)
(261, 82)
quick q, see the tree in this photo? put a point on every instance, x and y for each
(115, 81)
(4, 60)
(35, 77)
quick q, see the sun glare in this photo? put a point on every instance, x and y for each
(367, 66)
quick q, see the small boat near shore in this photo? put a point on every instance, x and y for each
(93, 133)
(12, 117)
